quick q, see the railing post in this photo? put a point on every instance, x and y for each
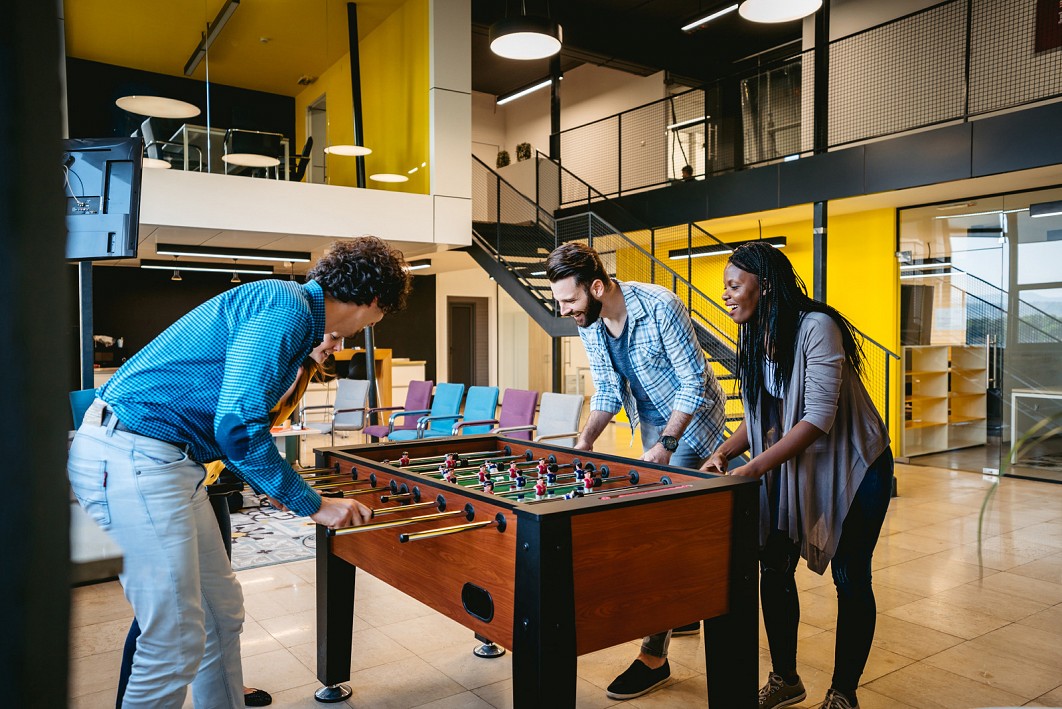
(652, 252)
(689, 266)
(966, 70)
(821, 100)
(619, 155)
(497, 214)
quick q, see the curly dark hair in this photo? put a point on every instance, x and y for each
(362, 269)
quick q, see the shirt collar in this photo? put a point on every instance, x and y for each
(635, 309)
(315, 294)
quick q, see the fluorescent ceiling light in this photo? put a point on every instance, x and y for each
(525, 37)
(981, 214)
(777, 242)
(778, 10)
(690, 122)
(388, 177)
(502, 100)
(925, 264)
(910, 276)
(538, 273)
(157, 106)
(418, 265)
(156, 164)
(704, 20)
(231, 253)
(204, 266)
(207, 39)
(348, 151)
(1045, 209)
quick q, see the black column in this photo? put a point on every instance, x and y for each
(34, 596)
(84, 285)
(355, 85)
(819, 250)
(555, 154)
(822, 79)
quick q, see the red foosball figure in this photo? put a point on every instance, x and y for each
(540, 489)
(451, 460)
(513, 470)
(404, 460)
(483, 474)
(488, 487)
(542, 468)
(588, 482)
(451, 476)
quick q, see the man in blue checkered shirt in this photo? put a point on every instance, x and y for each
(644, 357)
(202, 391)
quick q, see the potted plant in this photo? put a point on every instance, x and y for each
(523, 152)
(503, 159)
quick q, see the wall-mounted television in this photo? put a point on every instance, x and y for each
(101, 180)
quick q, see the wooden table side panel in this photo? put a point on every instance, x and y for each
(644, 569)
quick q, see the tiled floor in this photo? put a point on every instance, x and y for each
(950, 633)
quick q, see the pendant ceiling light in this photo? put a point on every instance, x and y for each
(525, 36)
(778, 10)
(349, 151)
(157, 106)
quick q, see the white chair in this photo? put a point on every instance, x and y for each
(348, 411)
(558, 418)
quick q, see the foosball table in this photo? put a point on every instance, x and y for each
(547, 551)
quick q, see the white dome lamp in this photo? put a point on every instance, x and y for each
(778, 10)
(525, 36)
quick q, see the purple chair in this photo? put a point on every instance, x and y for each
(418, 398)
(517, 416)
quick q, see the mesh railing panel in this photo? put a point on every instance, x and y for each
(1036, 326)
(771, 113)
(595, 149)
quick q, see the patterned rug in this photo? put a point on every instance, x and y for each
(262, 536)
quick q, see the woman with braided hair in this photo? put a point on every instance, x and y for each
(822, 451)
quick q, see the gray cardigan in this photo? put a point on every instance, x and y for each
(816, 488)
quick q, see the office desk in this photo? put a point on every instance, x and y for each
(212, 142)
(291, 438)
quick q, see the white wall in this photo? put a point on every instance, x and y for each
(470, 283)
(488, 128)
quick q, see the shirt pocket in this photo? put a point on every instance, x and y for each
(88, 480)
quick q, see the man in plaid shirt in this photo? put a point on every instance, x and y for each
(644, 356)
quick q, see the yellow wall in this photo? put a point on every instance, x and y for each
(394, 90)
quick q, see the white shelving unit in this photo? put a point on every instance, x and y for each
(945, 398)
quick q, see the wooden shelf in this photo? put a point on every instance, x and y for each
(920, 397)
(965, 419)
(945, 397)
(922, 424)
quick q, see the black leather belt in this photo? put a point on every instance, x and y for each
(118, 425)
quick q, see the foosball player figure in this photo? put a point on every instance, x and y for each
(451, 460)
(404, 460)
(542, 468)
(488, 487)
(540, 489)
(551, 476)
(443, 470)
(492, 469)
(513, 471)
(521, 481)
(483, 474)
(579, 472)
(451, 476)
(588, 482)
(573, 494)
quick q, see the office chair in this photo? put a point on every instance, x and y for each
(347, 413)
(301, 162)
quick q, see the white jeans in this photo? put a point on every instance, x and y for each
(148, 495)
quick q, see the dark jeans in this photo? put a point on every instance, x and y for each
(856, 609)
(220, 505)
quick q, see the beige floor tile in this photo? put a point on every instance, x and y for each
(298, 698)
(1025, 587)
(885, 597)
(982, 660)
(909, 639)
(471, 672)
(1051, 699)
(1049, 620)
(691, 692)
(305, 570)
(292, 629)
(1049, 533)
(1029, 644)
(999, 553)
(411, 682)
(914, 542)
(103, 699)
(465, 700)
(101, 637)
(99, 603)
(368, 648)
(975, 596)
(869, 699)
(804, 630)
(942, 616)
(929, 575)
(819, 611)
(255, 640)
(428, 633)
(928, 687)
(276, 671)
(807, 579)
(1048, 569)
(385, 608)
(94, 673)
(601, 667)
(887, 554)
(818, 651)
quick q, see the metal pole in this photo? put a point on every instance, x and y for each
(819, 251)
(822, 79)
(370, 373)
(355, 86)
(84, 291)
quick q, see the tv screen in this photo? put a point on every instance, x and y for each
(101, 180)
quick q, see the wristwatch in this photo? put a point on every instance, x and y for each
(670, 443)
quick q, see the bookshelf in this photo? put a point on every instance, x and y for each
(945, 398)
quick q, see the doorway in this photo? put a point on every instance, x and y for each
(317, 128)
(468, 341)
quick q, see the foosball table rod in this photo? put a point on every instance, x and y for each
(468, 512)
(498, 521)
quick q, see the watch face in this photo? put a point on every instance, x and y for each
(670, 443)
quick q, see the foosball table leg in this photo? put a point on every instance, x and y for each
(335, 620)
(488, 649)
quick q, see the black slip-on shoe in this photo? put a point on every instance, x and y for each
(691, 629)
(257, 698)
(637, 680)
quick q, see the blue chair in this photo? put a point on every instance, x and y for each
(445, 409)
(480, 408)
(79, 402)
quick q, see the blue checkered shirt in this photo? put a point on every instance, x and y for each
(668, 362)
(210, 380)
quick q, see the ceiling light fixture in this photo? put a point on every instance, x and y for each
(502, 100)
(348, 151)
(205, 266)
(207, 38)
(176, 275)
(1045, 209)
(418, 265)
(388, 177)
(981, 214)
(778, 10)
(227, 252)
(685, 124)
(235, 277)
(157, 107)
(525, 36)
(250, 160)
(777, 242)
(926, 264)
(705, 20)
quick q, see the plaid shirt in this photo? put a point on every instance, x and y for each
(211, 378)
(669, 364)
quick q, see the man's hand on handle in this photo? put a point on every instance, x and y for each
(338, 512)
